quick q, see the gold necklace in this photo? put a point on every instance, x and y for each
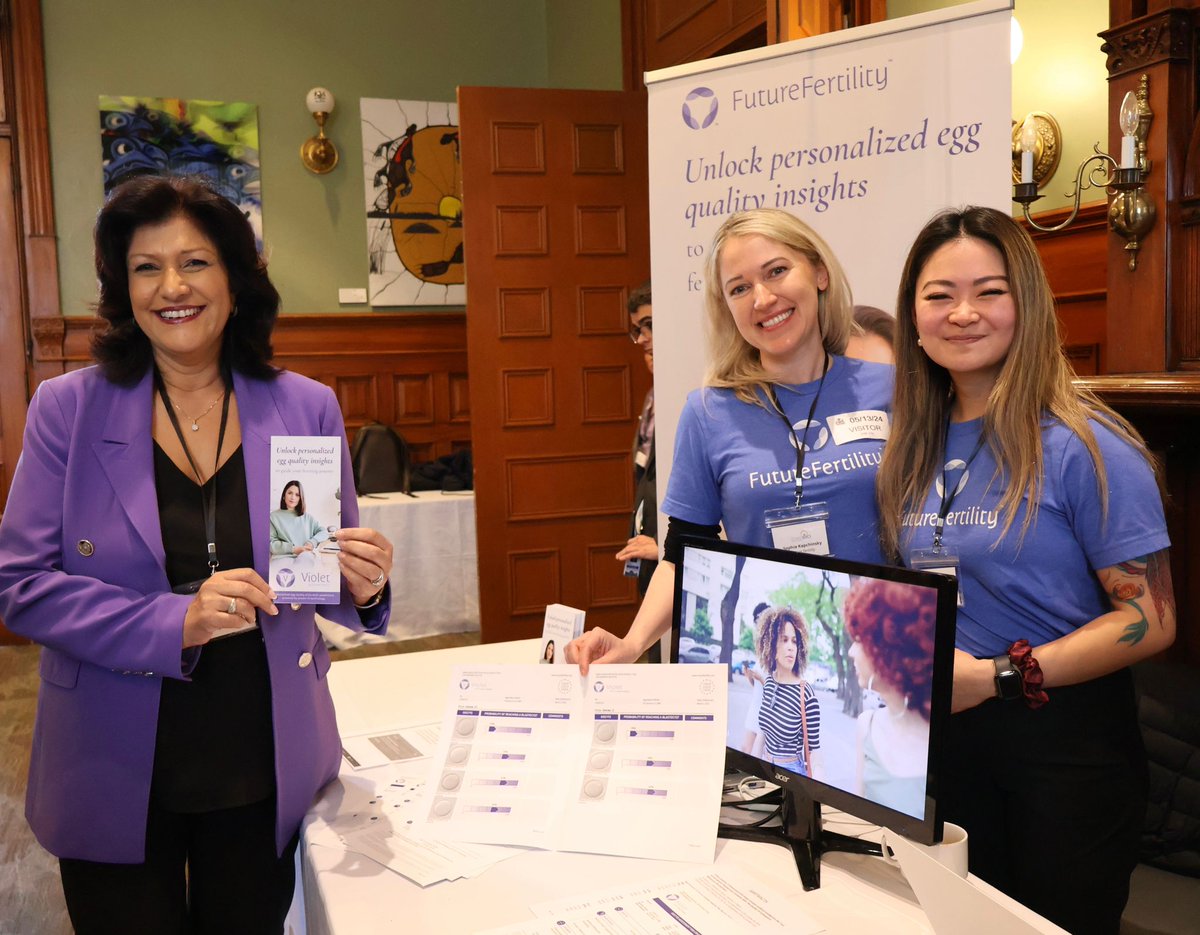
(195, 421)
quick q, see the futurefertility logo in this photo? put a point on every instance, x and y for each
(810, 443)
(701, 103)
(955, 464)
(285, 578)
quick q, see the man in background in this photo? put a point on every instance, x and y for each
(640, 553)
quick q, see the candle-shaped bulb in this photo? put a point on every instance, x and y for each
(1029, 135)
(1129, 124)
(1129, 114)
(1029, 139)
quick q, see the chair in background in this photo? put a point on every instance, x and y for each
(1164, 896)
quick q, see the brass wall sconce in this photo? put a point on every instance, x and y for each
(1130, 212)
(318, 153)
(1043, 140)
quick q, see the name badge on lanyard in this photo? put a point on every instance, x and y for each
(802, 526)
(799, 528)
(940, 558)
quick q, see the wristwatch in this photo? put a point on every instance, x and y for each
(1009, 684)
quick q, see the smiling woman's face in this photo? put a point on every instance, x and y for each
(179, 291)
(291, 496)
(965, 314)
(772, 292)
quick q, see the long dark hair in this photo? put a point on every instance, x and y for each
(122, 350)
(1035, 381)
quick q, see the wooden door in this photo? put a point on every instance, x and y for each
(557, 229)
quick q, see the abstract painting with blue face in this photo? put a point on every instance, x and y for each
(215, 140)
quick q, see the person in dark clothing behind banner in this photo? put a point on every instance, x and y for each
(640, 554)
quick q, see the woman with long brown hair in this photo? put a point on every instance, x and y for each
(1044, 503)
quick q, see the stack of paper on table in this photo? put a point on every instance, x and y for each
(628, 760)
(382, 831)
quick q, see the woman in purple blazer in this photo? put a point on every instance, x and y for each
(184, 724)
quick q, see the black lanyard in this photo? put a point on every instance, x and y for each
(948, 495)
(801, 442)
(207, 496)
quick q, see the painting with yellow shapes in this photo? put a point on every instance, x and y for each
(216, 140)
(413, 180)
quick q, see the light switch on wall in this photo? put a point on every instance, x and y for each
(352, 296)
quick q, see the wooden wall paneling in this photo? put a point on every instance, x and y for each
(39, 247)
(660, 33)
(405, 370)
(1076, 261)
(30, 265)
(1161, 45)
(12, 331)
(1165, 408)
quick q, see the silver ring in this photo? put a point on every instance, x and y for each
(379, 579)
(232, 608)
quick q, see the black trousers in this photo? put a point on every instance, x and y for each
(1053, 800)
(213, 872)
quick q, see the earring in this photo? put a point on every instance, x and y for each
(820, 303)
(233, 314)
(919, 344)
(870, 681)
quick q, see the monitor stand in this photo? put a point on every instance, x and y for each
(800, 829)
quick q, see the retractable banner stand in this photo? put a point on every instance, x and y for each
(863, 134)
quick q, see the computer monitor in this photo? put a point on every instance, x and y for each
(840, 676)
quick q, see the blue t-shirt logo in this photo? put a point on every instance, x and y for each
(954, 464)
(818, 434)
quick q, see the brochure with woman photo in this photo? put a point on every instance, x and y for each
(306, 511)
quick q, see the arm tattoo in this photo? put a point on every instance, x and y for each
(1162, 589)
(1149, 571)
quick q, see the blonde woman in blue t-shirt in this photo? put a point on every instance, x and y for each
(293, 529)
(783, 419)
(1045, 503)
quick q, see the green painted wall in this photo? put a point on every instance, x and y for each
(583, 39)
(271, 54)
(1061, 71)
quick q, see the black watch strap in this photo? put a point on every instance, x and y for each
(1009, 684)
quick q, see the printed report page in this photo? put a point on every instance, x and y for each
(499, 771)
(647, 781)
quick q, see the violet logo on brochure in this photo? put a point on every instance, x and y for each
(306, 513)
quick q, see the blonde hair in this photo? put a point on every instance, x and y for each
(1035, 381)
(733, 362)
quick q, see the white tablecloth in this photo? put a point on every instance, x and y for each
(435, 577)
(347, 894)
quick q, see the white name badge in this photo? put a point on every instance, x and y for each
(943, 561)
(799, 529)
(864, 425)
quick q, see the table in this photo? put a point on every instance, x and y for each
(345, 894)
(435, 575)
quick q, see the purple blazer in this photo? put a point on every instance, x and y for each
(111, 629)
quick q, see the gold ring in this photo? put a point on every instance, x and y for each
(232, 608)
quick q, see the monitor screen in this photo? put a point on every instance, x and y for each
(840, 675)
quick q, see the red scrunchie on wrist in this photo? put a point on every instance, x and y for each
(1020, 654)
